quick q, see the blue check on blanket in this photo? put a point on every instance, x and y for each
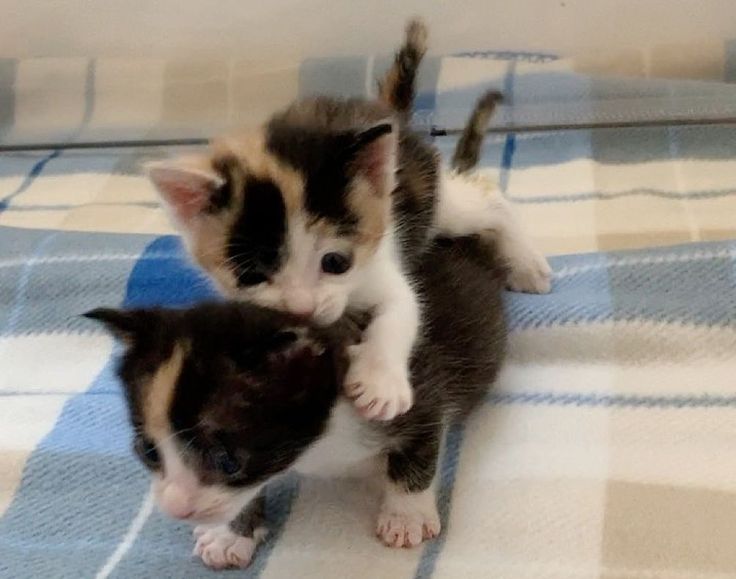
(606, 450)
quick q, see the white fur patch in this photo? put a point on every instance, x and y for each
(378, 377)
(345, 449)
(467, 206)
(378, 383)
(177, 490)
(180, 494)
(300, 286)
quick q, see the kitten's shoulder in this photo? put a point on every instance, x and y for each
(415, 197)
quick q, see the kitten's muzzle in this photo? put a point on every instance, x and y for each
(176, 502)
(301, 303)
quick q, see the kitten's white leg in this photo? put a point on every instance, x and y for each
(378, 377)
(406, 519)
(466, 208)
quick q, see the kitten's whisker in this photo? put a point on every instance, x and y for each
(182, 431)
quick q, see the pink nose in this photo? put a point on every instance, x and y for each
(305, 313)
(176, 502)
(300, 303)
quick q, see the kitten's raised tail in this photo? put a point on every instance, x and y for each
(398, 88)
(468, 147)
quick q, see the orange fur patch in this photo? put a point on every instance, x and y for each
(160, 394)
(250, 150)
(373, 211)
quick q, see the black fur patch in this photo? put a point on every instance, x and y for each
(415, 200)
(321, 158)
(251, 410)
(251, 518)
(414, 463)
(235, 392)
(257, 240)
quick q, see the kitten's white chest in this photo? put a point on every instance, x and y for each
(346, 449)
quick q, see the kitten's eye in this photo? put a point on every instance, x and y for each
(336, 263)
(226, 463)
(250, 278)
(147, 452)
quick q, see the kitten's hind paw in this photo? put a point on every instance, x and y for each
(529, 272)
(378, 390)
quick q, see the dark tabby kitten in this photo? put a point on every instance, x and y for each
(325, 208)
(225, 397)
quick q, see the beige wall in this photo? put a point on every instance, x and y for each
(274, 29)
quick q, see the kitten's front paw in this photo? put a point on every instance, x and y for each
(220, 548)
(379, 390)
(529, 272)
(407, 528)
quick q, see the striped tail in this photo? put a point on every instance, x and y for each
(468, 147)
(398, 88)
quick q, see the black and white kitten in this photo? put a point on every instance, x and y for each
(225, 397)
(324, 209)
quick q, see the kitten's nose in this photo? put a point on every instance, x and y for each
(176, 502)
(299, 302)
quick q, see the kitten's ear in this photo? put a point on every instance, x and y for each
(123, 324)
(373, 156)
(185, 184)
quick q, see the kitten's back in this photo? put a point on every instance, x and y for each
(461, 282)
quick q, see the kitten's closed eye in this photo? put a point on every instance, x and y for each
(251, 278)
(147, 452)
(225, 462)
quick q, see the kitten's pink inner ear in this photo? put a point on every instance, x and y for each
(185, 190)
(376, 162)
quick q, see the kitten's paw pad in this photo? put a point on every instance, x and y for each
(379, 391)
(530, 273)
(220, 548)
(407, 529)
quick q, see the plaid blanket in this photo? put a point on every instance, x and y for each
(51, 100)
(603, 450)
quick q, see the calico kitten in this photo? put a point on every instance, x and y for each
(326, 208)
(225, 397)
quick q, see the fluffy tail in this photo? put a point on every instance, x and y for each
(468, 147)
(398, 88)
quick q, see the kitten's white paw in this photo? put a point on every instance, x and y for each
(406, 525)
(380, 390)
(529, 271)
(220, 548)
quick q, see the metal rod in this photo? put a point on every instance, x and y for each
(434, 131)
(104, 144)
(438, 132)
